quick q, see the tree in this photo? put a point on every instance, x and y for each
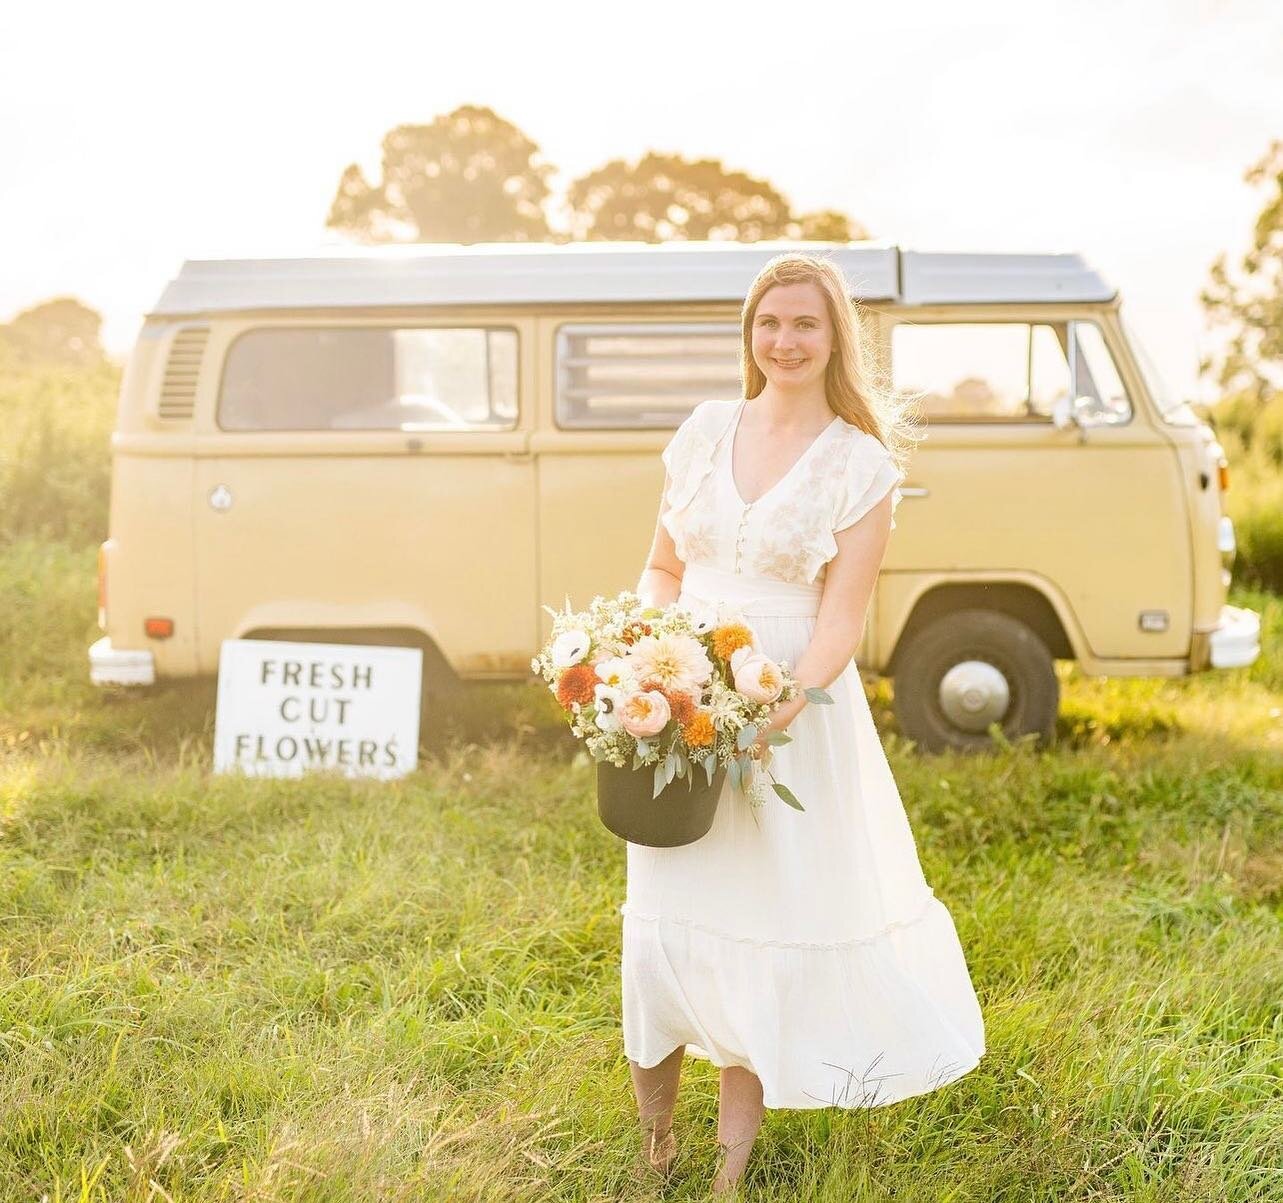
(666, 198)
(61, 331)
(467, 177)
(1248, 305)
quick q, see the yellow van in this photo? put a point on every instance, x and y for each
(421, 446)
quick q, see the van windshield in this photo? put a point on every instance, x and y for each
(1159, 389)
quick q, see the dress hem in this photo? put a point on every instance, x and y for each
(814, 1102)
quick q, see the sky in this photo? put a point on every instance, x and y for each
(136, 135)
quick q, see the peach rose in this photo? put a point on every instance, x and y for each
(759, 679)
(645, 713)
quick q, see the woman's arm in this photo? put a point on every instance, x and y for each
(849, 580)
(661, 579)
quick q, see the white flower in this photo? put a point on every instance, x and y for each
(534, 664)
(703, 618)
(725, 708)
(569, 648)
(616, 671)
(608, 699)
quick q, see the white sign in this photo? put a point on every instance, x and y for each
(287, 708)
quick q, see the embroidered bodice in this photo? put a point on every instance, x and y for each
(787, 533)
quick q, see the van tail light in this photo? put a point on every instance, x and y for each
(102, 586)
(158, 628)
(1223, 474)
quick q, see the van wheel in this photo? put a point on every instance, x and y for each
(970, 669)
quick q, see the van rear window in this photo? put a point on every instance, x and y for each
(370, 378)
(643, 374)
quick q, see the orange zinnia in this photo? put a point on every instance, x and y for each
(699, 732)
(576, 685)
(635, 631)
(729, 639)
(680, 704)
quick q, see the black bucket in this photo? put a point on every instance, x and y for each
(681, 813)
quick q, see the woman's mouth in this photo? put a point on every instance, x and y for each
(790, 363)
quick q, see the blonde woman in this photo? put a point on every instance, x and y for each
(801, 952)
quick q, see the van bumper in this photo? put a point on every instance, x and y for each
(1235, 641)
(117, 666)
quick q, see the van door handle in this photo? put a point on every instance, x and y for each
(914, 491)
(519, 457)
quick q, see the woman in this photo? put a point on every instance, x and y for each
(801, 952)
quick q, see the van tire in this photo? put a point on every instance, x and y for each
(1000, 642)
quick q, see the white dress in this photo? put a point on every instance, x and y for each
(806, 947)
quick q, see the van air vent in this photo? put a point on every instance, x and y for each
(178, 392)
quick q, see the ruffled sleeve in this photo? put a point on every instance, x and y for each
(688, 456)
(869, 475)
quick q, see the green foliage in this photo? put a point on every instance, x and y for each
(1248, 304)
(1250, 428)
(55, 449)
(62, 331)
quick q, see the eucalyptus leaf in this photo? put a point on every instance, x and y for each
(733, 773)
(637, 762)
(660, 782)
(710, 766)
(746, 736)
(817, 694)
(776, 738)
(787, 794)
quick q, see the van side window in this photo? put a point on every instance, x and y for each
(370, 378)
(639, 375)
(982, 371)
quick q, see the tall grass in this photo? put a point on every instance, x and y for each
(332, 989)
(214, 988)
(55, 449)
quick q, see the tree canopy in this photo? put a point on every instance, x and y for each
(471, 176)
(663, 198)
(468, 176)
(1247, 304)
(60, 331)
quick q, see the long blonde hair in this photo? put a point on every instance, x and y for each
(851, 383)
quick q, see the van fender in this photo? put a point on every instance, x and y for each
(392, 624)
(909, 601)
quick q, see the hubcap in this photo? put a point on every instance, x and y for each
(974, 694)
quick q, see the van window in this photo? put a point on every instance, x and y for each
(982, 371)
(1097, 381)
(643, 374)
(370, 378)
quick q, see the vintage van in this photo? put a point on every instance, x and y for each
(422, 446)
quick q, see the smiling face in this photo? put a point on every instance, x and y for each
(792, 335)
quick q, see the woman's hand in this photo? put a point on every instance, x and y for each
(784, 714)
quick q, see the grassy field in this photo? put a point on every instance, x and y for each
(328, 989)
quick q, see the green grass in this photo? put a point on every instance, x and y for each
(328, 989)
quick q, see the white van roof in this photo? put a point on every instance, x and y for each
(578, 272)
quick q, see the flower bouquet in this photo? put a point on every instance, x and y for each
(657, 694)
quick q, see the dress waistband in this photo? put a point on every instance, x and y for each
(750, 594)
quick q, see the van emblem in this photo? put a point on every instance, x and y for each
(220, 498)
